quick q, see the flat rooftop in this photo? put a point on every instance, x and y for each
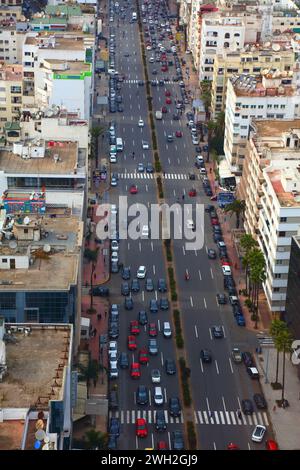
(33, 362)
(66, 151)
(285, 198)
(272, 127)
(11, 433)
(12, 73)
(75, 66)
(64, 42)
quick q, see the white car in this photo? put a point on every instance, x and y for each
(258, 433)
(145, 145)
(226, 270)
(114, 245)
(195, 140)
(190, 224)
(149, 48)
(151, 60)
(112, 346)
(199, 159)
(158, 396)
(155, 376)
(141, 123)
(114, 257)
(141, 272)
(113, 158)
(113, 369)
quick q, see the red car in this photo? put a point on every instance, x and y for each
(164, 109)
(164, 68)
(133, 189)
(131, 343)
(214, 221)
(162, 445)
(141, 427)
(168, 93)
(232, 446)
(143, 356)
(168, 101)
(178, 134)
(192, 192)
(152, 329)
(135, 370)
(134, 327)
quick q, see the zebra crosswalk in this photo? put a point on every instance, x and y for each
(135, 81)
(200, 417)
(166, 176)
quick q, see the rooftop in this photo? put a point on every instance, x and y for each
(62, 66)
(274, 83)
(275, 128)
(34, 363)
(286, 198)
(60, 158)
(57, 41)
(64, 10)
(9, 72)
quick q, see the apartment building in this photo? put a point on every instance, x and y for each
(270, 185)
(10, 93)
(252, 59)
(269, 96)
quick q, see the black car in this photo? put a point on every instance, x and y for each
(160, 420)
(211, 253)
(232, 290)
(100, 291)
(260, 401)
(177, 440)
(248, 359)
(164, 304)
(114, 267)
(149, 285)
(149, 168)
(222, 299)
(126, 273)
(143, 318)
(112, 443)
(113, 331)
(247, 407)
(237, 310)
(170, 366)
(113, 400)
(125, 289)
(162, 285)
(161, 82)
(209, 208)
(123, 360)
(174, 406)
(135, 285)
(141, 83)
(222, 252)
(218, 237)
(217, 229)
(142, 395)
(128, 303)
(217, 332)
(114, 427)
(228, 282)
(153, 306)
(120, 108)
(153, 83)
(205, 355)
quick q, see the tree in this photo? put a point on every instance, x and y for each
(96, 439)
(237, 207)
(92, 256)
(247, 243)
(91, 371)
(211, 126)
(220, 124)
(277, 326)
(283, 342)
(95, 133)
(205, 86)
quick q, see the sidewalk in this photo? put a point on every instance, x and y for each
(285, 421)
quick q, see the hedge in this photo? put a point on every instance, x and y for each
(178, 331)
(168, 249)
(185, 374)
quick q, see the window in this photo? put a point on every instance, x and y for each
(277, 276)
(256, 69)
(276, 289)
(279, 261)
(227, 35)
(226, 45)
(283, 219)
(276, 106)
(31, 314)
(8, 300)
(253, 106)
(282, 106)
(281, 234)
(25, 230)
(260, 106)
(269, 106)
(4, 260)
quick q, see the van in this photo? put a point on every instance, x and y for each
(158, 396)
(119, 144)
(167, 332)
(158, 115)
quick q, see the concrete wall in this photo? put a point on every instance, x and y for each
(70, 94)
(22, 262)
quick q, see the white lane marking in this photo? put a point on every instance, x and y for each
(140, 246)
(178, 159)
(169, 439)
(207, 404)
(184, 145)
(152, 246)
(183, 250)
(176, 148)
(128, 246)
(217, 302)
(196, 331)
(211, 272)
(201, 365)
(152, 440)
(223, 331)
(209, 329)
(162, 358)
(249, 447)
(216, 362)
(156, 295)
(150, 397)
(154, 269)
(224, 405)
(143, 296)
(205, 305)
(134, 398)
(200, 277)
(230, 363)
(146, 188)
(191, 300)
(165, 392)
(216, 418)
(205, 417)
(196, 252)
(222, 417)
(158, 324)
(215, 447)
(206, 248)
(169, 160)
(136, 443)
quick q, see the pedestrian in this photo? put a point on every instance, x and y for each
(133, 154)
(183, 197)
(274, 408)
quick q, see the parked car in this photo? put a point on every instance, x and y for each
(222, 299)
(114, 427)
(177, 440)
(260, 401)
(160, 420)
(128, 303)
(248, 359)
(170, 366)
(174, 406)
(258, 433)
(143, 318)
(100, 291)
(153, 306)
(123, 360)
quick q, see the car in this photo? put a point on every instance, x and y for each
(174, 406)
(143, 356)
(126, 273)
(247, 407)
(151, 59)
(164, 69)
(152, 346)
(113, 181)
(217, 332)
(100, 291)
(113, 369)
(120, 108)
(164, 304)
(211, 253)
(258, 433)
(149, 168)
(206, 355)
(141, 83)
(114, 245)
(113, 400)
(140, 168)
(135, 370)
(233, 300)
(178, 134)
(195, 140)
(214, 221)
(217, 229)
(155, 376)
(149, 285)
(133, 189)
(260, 401)
(232, 446)
(142, 395)
(226, 270)
(145, 145)
(248, 359)
(240, 320)
(164, 109)
(253, 372)
(167, 332)
(153, 306)
(221, 245)
(128, 303)
(114, 310)
(228, 282)
(158, 397)
(141, 123)
(123, 360)
(236, 355)
(141, 429)
(131, 343)
(125, 289)
(153, 82)
(160, 420)
(170, 366)
(134, 327)
(114, 427)
(170, 138)
(221, 299)
(177, 440)
(141, 272)
(113, 331)
(271, 445)
(168, 93)
(135, 285)
(152, 330)
(142, 317)
(162, 285)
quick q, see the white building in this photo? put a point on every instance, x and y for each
(271, 96)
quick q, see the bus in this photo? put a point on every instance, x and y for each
(119, 144)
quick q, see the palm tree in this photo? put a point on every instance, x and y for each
(96, 439)
(205, 86)
(211, 126)
(257, 276)
(277, 326)
(237, 207)
(247, 243)
(92, 256)
(220, 124)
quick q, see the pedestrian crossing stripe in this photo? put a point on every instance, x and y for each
(166, 176)
(130, 416)
(135, 81)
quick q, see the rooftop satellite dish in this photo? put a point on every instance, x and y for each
(47, 248)
(276, 47)
(26, 220)
(12, 244)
